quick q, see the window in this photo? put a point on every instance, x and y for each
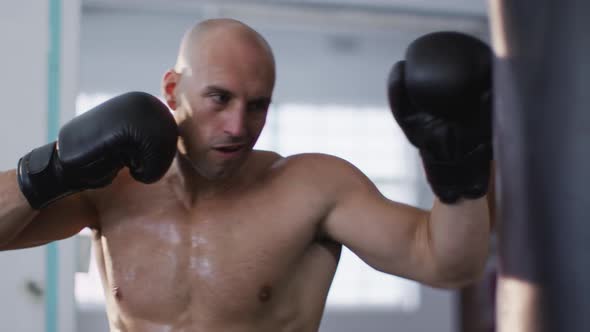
(369, 138)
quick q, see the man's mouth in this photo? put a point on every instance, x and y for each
(229, 148)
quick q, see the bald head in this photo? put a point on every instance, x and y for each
(220, 91)
(225, 33)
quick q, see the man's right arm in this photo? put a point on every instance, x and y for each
(23, 227)
(44, 200)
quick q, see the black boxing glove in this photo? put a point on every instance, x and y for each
(135, 130)
(441, 98)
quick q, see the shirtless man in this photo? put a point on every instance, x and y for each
(196, 231)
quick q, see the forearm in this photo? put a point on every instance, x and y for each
(15, 211)
(459, 239)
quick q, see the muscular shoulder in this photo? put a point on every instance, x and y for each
(266, 158)
(325, 164)
(327, 171)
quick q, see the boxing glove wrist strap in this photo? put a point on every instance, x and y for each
(39, 176)
(465, 178)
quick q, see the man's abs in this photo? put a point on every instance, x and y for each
(239, 264)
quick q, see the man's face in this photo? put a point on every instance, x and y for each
(223, 103)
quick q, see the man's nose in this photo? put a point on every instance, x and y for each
(235, 122)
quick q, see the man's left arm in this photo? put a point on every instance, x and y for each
(440, 96)
(444, 247)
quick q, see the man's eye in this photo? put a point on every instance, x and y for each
(258, 107)
(220, 98)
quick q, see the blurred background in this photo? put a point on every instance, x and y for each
(62, 57)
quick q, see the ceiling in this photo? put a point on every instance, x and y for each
(350, 16)
(423, 7)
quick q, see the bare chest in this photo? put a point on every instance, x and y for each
(222, 258)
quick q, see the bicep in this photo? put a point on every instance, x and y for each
(62, 219)
(389, 236)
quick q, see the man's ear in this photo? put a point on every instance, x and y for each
(169, 83)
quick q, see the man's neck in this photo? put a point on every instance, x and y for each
(197, 187)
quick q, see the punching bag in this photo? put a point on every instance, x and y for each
(542, 152)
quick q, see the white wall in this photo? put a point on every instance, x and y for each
(23, 92)
(24, 36)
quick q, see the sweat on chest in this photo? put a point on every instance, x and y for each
(204, 259)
